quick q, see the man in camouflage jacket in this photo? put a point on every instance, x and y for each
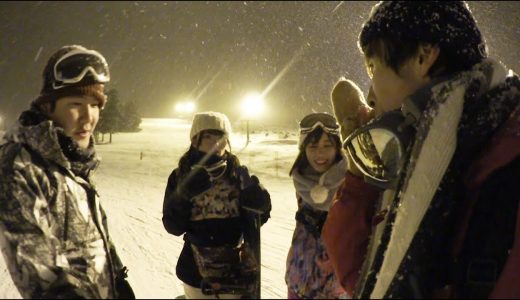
(53, 231)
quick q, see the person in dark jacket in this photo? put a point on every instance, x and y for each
(203, 201)
(53, 229)
(447, 225)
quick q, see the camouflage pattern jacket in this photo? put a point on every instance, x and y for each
(53, 231)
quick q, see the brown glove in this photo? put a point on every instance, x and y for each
(350, 109)
(348, 102)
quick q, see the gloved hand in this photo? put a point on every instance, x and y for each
(352, 111)
(252, 195)
(196, 182)
(350, 107)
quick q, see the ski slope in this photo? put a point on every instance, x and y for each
(132, 193)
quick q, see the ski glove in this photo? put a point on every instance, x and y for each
(252, 194)
(196, 182)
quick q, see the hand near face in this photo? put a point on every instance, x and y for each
(351, 110)
(349, 106)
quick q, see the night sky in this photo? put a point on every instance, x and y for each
(163, 52)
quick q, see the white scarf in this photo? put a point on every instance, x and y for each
(318, 192)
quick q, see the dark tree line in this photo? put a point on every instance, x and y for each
(117, 116)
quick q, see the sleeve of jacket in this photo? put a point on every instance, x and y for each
(347, 229)
(267, 204)
(32, 252)
(176, 207)
(507, 286)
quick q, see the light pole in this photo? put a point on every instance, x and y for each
(252, 107)
(247, 128)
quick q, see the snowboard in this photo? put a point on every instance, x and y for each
(248, 284)
(252, 244)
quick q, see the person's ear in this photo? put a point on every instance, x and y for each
(426, 57)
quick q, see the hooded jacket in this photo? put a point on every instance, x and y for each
(53, 230)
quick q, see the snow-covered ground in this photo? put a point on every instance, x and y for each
(132, 193)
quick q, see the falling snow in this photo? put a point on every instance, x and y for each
(214, 52)
(159, 52)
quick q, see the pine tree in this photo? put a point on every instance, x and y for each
(111, 116)
(132, 118)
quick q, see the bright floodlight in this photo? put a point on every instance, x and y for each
(189, 107)
(252, 106)
(179, 107)
(185, 107)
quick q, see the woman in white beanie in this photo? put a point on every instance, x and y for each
(203, 201)
(317, 173)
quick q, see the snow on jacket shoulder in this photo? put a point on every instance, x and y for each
(347, 228)
(52, 232)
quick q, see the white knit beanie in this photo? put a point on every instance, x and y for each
(210, 120)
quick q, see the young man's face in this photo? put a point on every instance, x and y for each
(390, 88)
(78, 116)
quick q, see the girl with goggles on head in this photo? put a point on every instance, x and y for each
(317, 172)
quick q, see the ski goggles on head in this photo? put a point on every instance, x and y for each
(380, 148)
(75, 65)
(314, 120)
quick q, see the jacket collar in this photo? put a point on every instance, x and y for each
(41, 135)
